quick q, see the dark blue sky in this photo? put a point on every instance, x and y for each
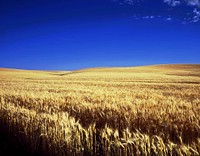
(74, 34)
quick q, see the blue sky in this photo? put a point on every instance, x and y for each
(74, 34)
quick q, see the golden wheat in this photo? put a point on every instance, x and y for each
(120, 111)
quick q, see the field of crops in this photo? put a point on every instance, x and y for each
(152, 110)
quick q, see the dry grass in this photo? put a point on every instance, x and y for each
(152, 110)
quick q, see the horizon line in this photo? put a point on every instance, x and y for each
(101, 67)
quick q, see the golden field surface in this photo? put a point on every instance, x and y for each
(149, 110)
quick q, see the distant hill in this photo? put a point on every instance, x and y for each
(169, 69)
(148, 68)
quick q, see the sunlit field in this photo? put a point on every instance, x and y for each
(150, 110)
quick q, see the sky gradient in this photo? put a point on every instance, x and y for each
(75, 34)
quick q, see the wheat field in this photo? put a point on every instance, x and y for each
(147, 111)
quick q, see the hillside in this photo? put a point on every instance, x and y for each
(165, 68)
(170, 68)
